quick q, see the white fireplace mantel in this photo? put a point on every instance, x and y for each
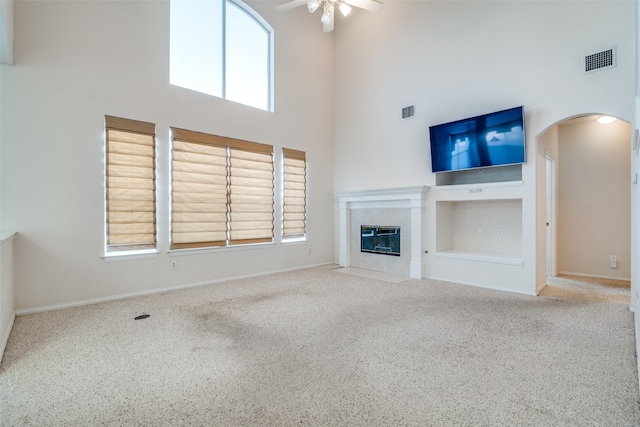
(404, 197)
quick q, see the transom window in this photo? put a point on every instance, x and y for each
(222, 48)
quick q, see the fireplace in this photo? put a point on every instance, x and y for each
(380, 240)
(402, 207)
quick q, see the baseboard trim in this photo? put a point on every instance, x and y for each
(155, 291)
(5, 337)
(478, 285)
(595, 276)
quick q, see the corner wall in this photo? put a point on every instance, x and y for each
(76, 62)
(452, 60)
(7, 299)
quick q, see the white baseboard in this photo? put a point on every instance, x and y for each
(569, 273)
(5, 336)
(478, 285)
(154, 291)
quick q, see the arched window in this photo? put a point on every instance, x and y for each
(222, 48)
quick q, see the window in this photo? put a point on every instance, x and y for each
(130, 185)
(222, 191)
(294, 182)
(222, 48)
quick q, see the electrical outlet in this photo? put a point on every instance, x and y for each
(174, 265)
(613, 261)
(500, 232)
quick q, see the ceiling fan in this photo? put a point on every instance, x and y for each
(329, 6)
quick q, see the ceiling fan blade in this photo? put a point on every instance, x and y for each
(329, 26)
(291, 5)
(371, 5)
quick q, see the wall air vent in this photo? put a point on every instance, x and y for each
(600, 60)
(408, 112)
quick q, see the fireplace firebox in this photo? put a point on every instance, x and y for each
(380, 240)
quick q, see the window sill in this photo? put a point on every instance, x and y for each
(129, 256)
(212, 250)
(294, 241)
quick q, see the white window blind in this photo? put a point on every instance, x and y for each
(294, 213)
(222, 191)
(130, 185)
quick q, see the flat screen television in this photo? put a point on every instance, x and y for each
(493, 139)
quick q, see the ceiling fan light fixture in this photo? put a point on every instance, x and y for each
(326, 16)
(313, 5)
(345, 9)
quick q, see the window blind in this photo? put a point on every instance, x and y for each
(251, 192)
(222, 191)
(130, 185)
(294, 213)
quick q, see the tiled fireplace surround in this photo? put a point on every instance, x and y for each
(402, 207)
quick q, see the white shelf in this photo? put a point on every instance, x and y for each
(510, 259)
(480, 185)
(487, 191)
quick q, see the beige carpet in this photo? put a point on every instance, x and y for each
(588, 289)
(320, 348)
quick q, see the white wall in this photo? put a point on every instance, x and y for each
(76, 62)
(594, 202)
(635, 190)
(546, 145)
(7, 299)
(459, 59)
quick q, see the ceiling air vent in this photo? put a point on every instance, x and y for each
(600, 60)
(408, 112)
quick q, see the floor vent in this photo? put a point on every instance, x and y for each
(408, 112)
(600, 60)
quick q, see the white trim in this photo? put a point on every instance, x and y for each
(129, 256)
(595, 276)
(479, 185)
(469, 256)
(156, 291)
(479, 285)
(5, 337)
(296, 241)
(6, 237)
(412, 198)
(218, 249)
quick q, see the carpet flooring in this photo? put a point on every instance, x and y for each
(318, 348)
(588, 289)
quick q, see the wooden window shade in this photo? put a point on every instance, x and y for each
(294, 213)
(130, 185)
(222, 191)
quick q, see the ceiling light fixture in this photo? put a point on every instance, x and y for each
(328, 7)
(345, 9)
(313, 5)
(327, 14)
(605, 120)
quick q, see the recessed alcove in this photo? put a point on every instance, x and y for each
(480, 230)
(480, 176)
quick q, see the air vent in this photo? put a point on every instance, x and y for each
(408, 112)
(600, 60)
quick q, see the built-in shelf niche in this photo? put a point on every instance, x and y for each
(480, 176)
(480, 230)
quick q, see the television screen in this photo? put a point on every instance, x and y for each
(493, 139)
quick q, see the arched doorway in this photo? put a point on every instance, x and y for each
(587, 215)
